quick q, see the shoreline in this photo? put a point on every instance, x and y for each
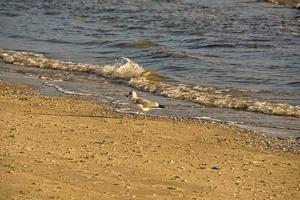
(63, 147)
(140, 78)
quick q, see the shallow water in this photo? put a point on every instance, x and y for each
(233, 53)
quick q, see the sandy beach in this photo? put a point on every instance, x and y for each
(70, 148)
(223, 77)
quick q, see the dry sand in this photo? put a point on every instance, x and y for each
(67, 148)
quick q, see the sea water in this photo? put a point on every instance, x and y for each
(234, 61)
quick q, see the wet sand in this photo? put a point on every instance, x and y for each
(70, 148)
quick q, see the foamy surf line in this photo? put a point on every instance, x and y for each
(136, 76)
(62, 90)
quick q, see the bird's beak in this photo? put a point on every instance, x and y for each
(126, 95)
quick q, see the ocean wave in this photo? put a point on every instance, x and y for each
(141, 43)
(294, 84)
(148, 80)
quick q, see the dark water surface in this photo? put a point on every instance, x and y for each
(243, 50)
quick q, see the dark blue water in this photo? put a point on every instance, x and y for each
(249, 46)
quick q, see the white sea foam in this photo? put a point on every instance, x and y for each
(62, 90)
(147, 80)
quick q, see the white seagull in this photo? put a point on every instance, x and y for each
(142, 104)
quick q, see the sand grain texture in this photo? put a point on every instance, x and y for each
(67, 148)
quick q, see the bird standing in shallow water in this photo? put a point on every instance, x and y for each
(143, 104)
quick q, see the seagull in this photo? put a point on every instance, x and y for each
(142, 104)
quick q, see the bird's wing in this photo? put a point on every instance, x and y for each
(146, 103)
